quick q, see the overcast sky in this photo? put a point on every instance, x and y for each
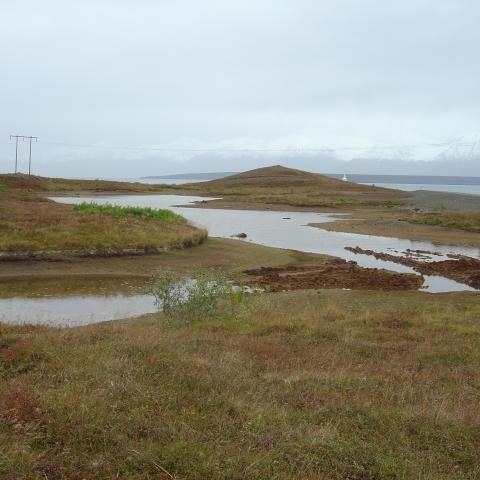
(112, 83)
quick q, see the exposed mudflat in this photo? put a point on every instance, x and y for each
(390, 224)
(460, 268)
(335, 273)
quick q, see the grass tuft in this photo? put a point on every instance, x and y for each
(118, 211)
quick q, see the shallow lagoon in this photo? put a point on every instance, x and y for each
(289, 230)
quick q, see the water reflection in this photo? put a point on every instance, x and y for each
(75, 302)
(73, 310)
(291, 230)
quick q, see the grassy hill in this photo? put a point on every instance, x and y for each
(288, 186)
(278, 176)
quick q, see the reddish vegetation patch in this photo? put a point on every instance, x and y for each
(332, 274)
(20, 405)
(264, 351)
(461, 269)
(16, 357)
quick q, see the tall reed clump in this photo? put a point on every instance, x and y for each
(205, 295)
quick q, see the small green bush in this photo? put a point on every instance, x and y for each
(117, 211)
(3, 187)
(205, 295)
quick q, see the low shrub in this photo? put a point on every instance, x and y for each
(205, 295)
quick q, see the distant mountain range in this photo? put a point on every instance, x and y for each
(160, 166)
(320, 163)
(357, 178)
(190, 176)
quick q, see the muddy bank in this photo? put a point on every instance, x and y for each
(60, 286)
(332, 274)
(59, 255)
(461, 269)
(227, 255)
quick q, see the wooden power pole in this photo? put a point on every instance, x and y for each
(23, 137)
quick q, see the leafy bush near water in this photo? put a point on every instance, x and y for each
(118, 211)
(204, 295)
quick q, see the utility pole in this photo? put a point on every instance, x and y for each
(23, 137)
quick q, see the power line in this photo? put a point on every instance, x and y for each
(23, 137)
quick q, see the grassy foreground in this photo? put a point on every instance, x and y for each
(317, 385)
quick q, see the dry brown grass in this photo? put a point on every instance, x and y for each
(468, 221)
(35, 183)
(327, 385)
(296, 188)
(31, 223)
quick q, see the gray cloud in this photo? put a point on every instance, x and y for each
(253, 73)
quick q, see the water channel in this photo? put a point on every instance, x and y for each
(285, 229)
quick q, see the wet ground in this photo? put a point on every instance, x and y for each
(465, 270)
(48, 286)
(292, 230)
(332, 274)
(365, 261)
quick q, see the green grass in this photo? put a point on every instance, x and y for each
(468, 221)
(321, 385)
(3, 187)
(118, 211)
